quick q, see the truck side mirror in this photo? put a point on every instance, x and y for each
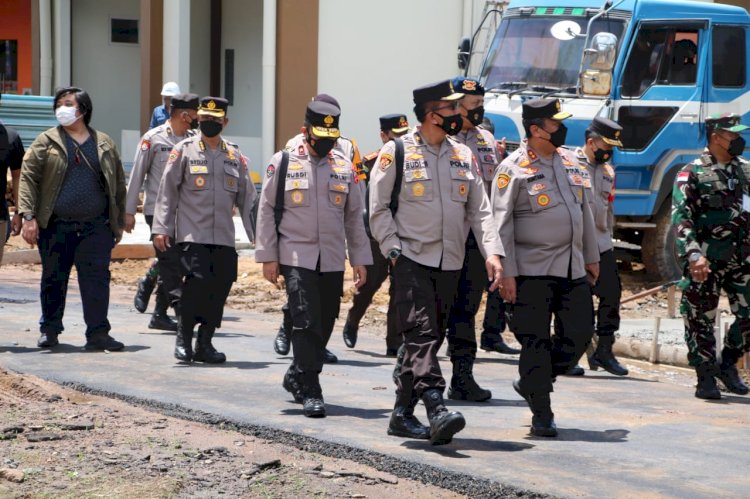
(598, 61)
(464, 53)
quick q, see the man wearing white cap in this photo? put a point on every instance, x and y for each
(161, 113)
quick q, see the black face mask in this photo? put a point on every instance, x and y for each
(211, 128)
(736, 147)
(557, 139)
(476, 115)
(452, 124)
(321, 146)
(194, 123)
(602, 155)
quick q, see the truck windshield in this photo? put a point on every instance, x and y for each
(540, 53)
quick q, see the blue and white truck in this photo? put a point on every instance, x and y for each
(658, 67)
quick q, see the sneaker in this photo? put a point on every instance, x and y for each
(47, 340)
(102, 341)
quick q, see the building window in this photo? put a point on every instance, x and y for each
(124, 31)
(9, 66)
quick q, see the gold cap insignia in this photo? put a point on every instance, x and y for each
(328, 120)
(211, 105)
(469, 85)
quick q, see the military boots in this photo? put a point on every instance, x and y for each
(604, 358)
(706, 387)
(146, 286)
(728, 373)
(463, 386)
(542, 417)
(403, 422)
(204, 349)
(443, 423)
(160, 319)
(183, 347)
(313, 405)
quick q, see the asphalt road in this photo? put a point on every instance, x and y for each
(644, 435)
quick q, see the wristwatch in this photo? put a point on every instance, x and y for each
(394, 253)
(28, 216)
(694, 257)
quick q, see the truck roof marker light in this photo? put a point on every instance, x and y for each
(540, 11)
(558, 11)
(578, 11)
(526, 11)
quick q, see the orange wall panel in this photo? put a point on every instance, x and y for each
(15, 24)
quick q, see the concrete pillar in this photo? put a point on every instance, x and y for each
(269, 79)
(176, 43)
(61, 44)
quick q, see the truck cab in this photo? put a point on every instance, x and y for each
(657, 67)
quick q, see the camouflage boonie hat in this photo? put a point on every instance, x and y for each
(726, 121)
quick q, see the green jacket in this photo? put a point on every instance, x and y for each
(43, 171)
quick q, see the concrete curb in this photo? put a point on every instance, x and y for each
(641, 350)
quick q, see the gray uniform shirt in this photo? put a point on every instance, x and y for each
(149, 163)
(484, 146)
(441, 191)
(199, 190)
(543, 214)
(602, 190)
(322, 213)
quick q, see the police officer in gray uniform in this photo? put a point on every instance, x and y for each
(552, 256)
(205, 178)
(438, 189)
(321, 216)
(601, 137)
(462, 340)
(148, 167)
(349, 148)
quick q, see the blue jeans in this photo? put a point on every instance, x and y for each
(88, 246)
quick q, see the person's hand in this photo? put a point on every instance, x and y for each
(15, 224)
(129, 222)
(161, 242)
(592, 272)
(359, 276)
(271, 272)
(494, 271)
(699, 270)
(508, 289)
(30, 231)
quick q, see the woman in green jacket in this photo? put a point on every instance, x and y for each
(72, 197)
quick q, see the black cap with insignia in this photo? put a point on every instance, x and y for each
(327, 98)
(213, 106)
(441, 90)
(185, 101)
(607, 129)
(543, 108)
(396, 123)
(468, 86)
(323, 119)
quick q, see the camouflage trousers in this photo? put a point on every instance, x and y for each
(699, 304)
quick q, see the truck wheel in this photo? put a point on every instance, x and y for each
(658, 247)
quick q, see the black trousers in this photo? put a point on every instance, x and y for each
(313, 299)
(609, 290)
(208, 271)
(88, 246)
(544, 356)
(377, 273)
(423, 298)
(494, 315)
(169, 278)
(462, 336)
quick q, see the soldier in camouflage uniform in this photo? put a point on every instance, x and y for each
(710, 199)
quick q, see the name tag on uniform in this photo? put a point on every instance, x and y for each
(745, 202)
(195, 169)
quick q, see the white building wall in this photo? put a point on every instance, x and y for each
(109, 72)
(242, 30)
(200, 47)
(373, 54)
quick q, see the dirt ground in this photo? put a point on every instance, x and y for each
(58, 442)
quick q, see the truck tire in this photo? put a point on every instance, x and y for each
(658, 247)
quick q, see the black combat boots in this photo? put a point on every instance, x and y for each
(463, 386)
(350, 335)
(728, 372)
(443, 423)
(281, 342)
(146, 286)
(706, 387)
(604, 358)
(293, 384)
(542, 417)
(312, 396)
(403, 422)
(494, 342)
(183, 347)
(160, 319)
(204, 350)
